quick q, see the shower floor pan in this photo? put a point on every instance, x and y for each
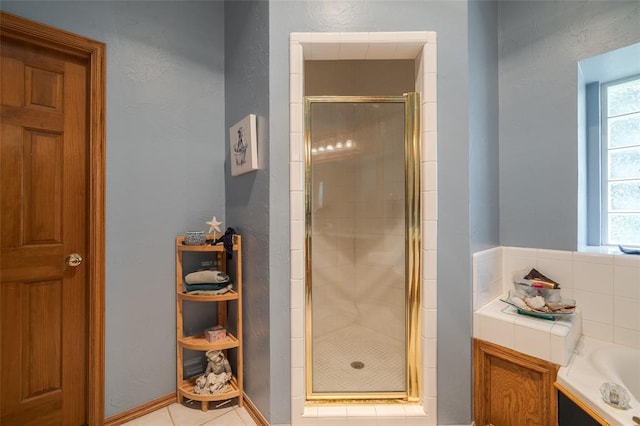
(358, 359)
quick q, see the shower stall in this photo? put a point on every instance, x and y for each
(362, 224)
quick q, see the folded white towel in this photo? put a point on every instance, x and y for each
(206, 277)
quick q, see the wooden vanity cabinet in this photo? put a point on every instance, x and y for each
(511, 388)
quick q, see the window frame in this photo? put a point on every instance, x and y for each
(604, 158)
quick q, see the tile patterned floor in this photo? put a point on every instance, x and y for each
(383, 359)
(184, 415)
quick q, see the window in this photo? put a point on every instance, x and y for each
(620, 180)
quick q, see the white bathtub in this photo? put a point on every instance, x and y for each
(595, 362)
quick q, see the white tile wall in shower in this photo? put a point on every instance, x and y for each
(296, 176)
(429, 95)
(297, 265)
(430, 234)
(426, 66)
(430, 116)
(408, 45)
(296, 208)
(297, 328)
(324, 51)
(296, 89)
(430, 176)
(297, 352)
(430, 295)
(297, 235)
(430, 146)
(297, 294)
(430, 205)
(430, 264)
(296, 118)
(419, 72)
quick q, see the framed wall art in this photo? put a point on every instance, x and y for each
(243, 144)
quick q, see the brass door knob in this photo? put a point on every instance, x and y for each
(74, 259)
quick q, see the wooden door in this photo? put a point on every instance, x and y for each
(45, 199)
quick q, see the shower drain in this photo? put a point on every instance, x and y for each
(357, 365)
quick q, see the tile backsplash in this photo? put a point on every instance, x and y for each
(606, 286)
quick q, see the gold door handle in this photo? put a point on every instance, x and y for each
(74, 259)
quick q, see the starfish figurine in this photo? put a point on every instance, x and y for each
(214, 225)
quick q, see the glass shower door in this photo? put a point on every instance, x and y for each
(357, 251)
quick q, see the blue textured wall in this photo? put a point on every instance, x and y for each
(449, 19)
(484, 206)
(165, 168)
(540, 44)
(247, 196)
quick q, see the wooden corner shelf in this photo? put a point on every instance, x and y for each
(230, 295)
(232, 342)
(196, 343)
(185, 390)
(181, 246)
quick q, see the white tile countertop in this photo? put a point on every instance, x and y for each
(550, 340)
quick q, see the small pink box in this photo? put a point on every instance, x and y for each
(215, 333)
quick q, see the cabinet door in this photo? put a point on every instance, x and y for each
(570, 414)
(511, 388)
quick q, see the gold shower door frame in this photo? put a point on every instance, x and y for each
(413, 254)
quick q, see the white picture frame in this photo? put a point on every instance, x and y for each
(243, 150)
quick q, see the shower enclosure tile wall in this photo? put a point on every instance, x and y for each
(419, 47)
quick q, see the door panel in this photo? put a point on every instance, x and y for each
(42, 172)
(43, 88)
(362, 224)
(43, 195)
(41, 338)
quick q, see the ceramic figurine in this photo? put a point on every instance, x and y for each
(217, 375)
